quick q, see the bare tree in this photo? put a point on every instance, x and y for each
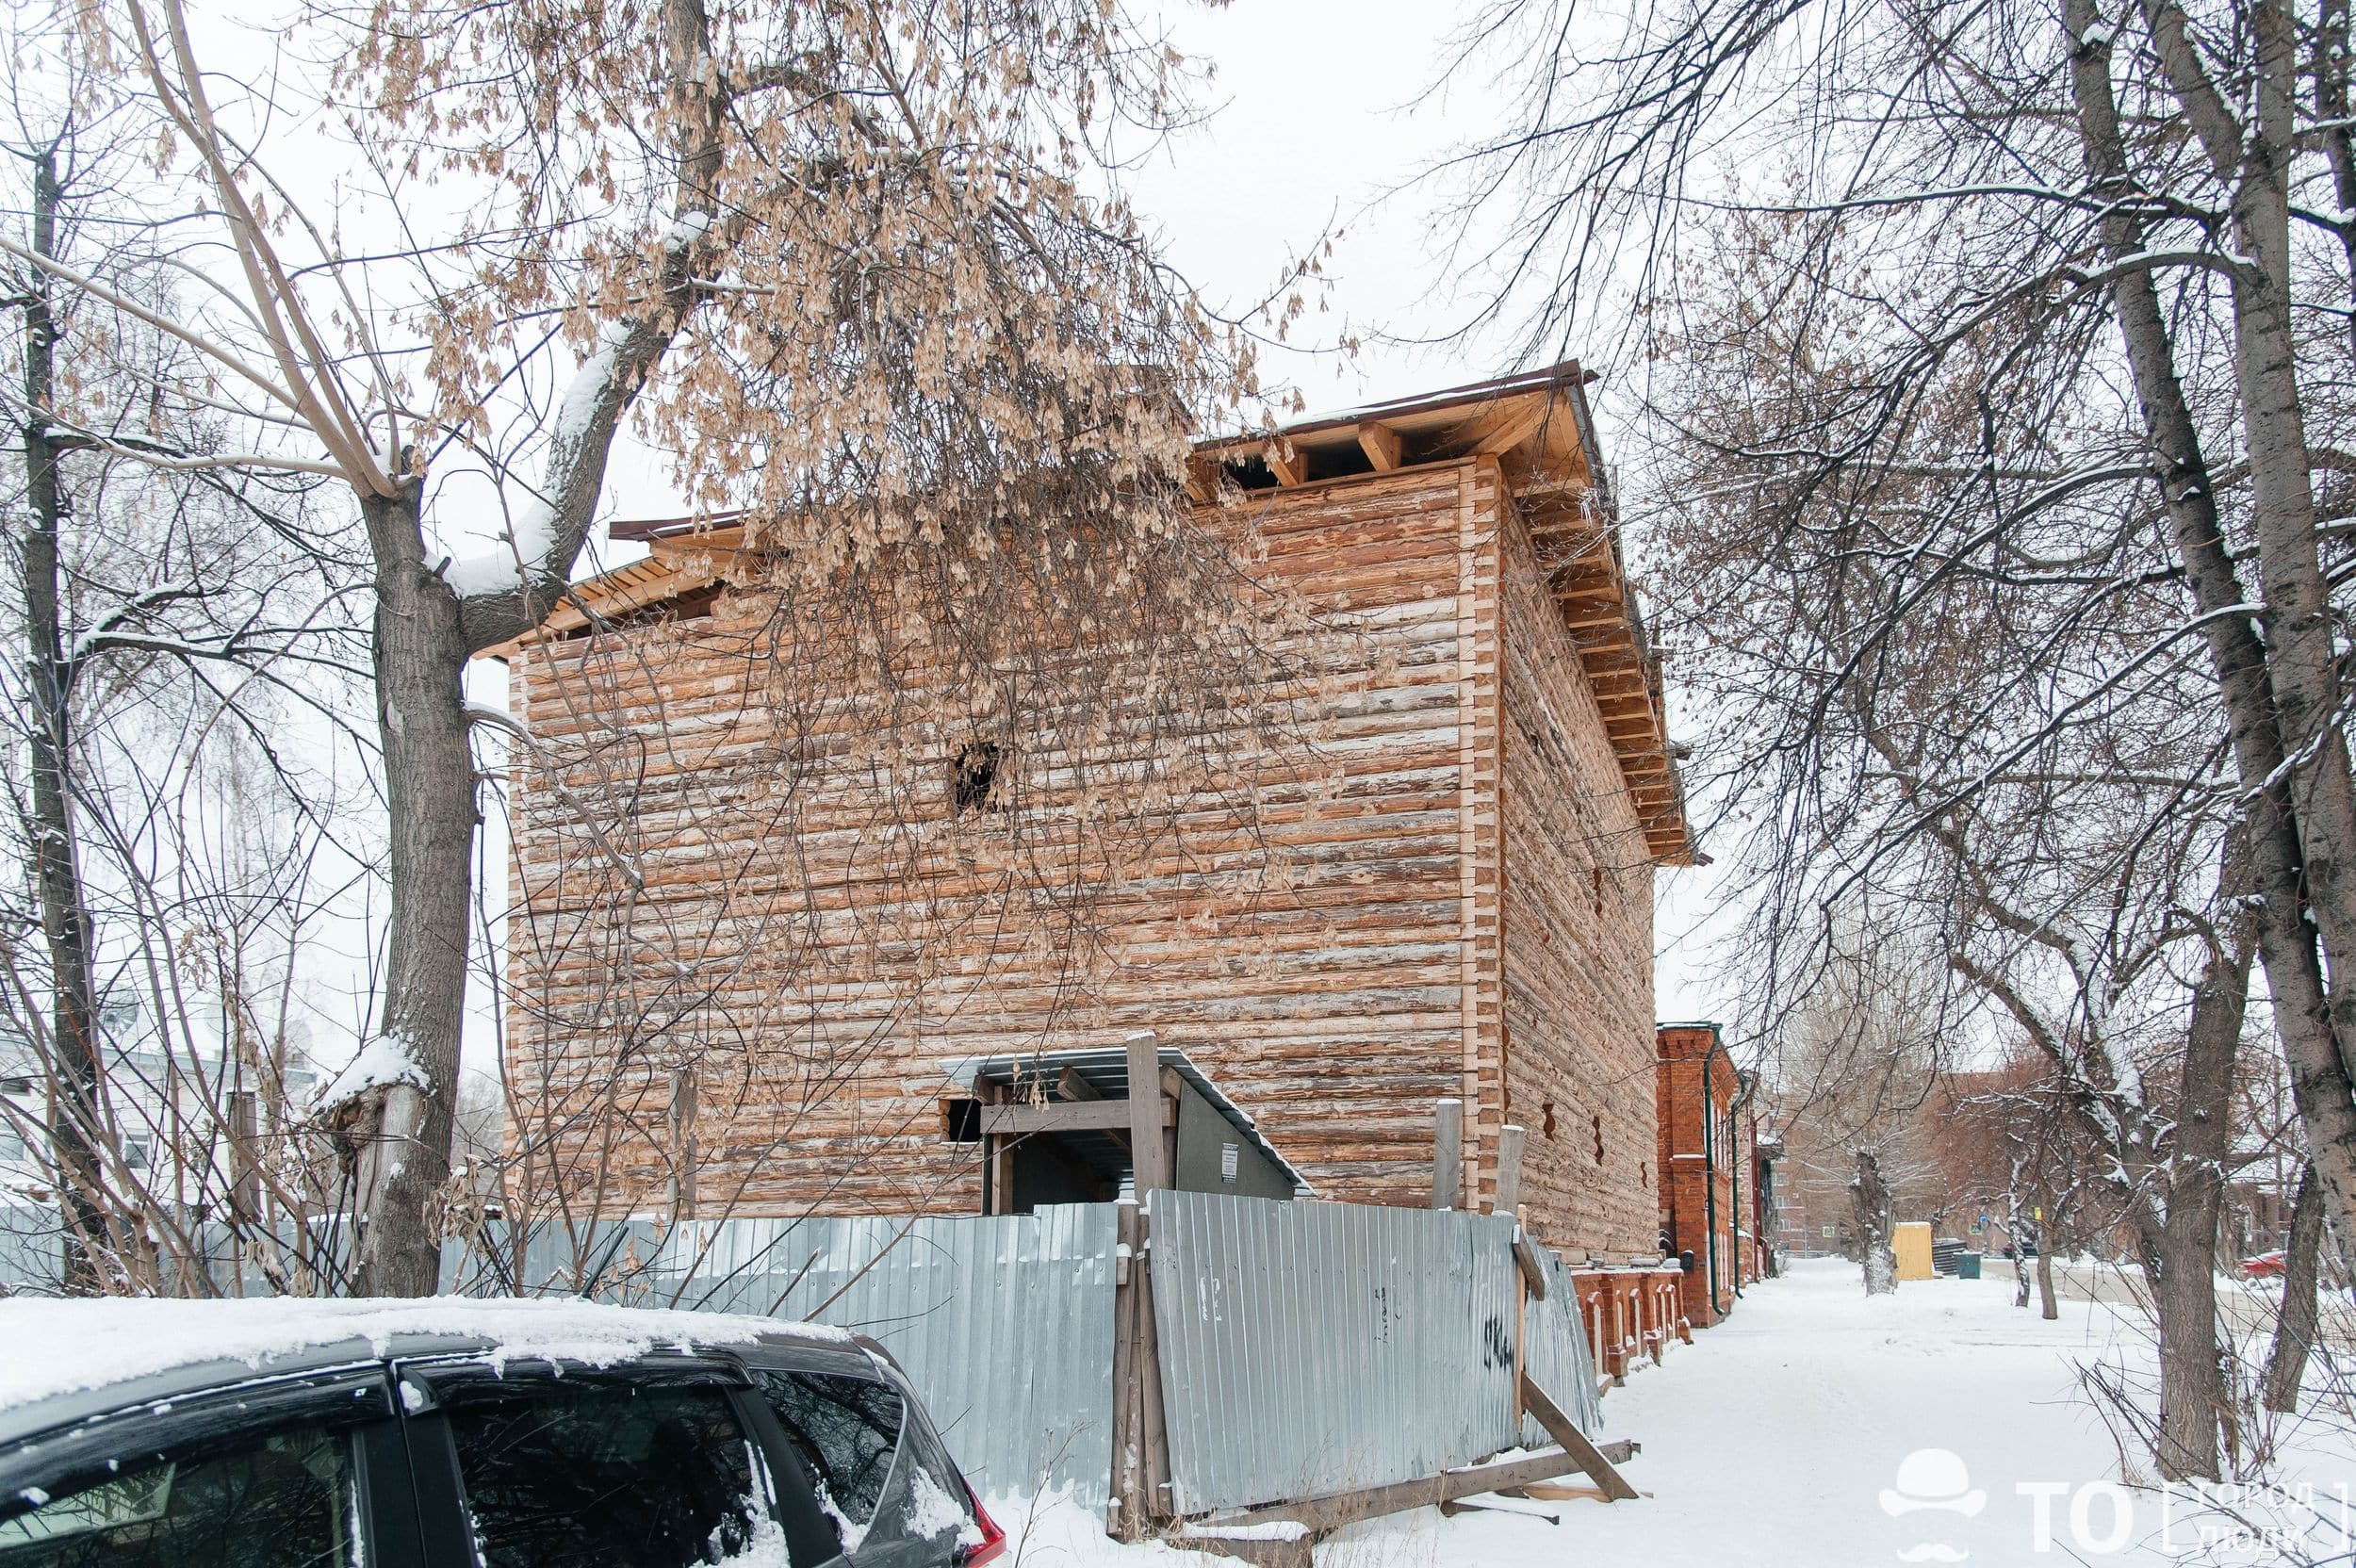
(2072, 292)
(862, 270)
(167, 615)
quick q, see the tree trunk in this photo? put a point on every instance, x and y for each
(2015, 1234)
(420, 659)
(1870, 1194)
(76, 1118)
(2048, 1307)
(2193, 1398)
(2294, 1326)
(2304, 1018)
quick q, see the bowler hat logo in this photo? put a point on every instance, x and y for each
(1932, 1480)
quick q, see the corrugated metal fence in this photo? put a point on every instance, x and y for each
(1005, 1325)
(1556, 1354)
(1312, 1349)
(1305, 1349)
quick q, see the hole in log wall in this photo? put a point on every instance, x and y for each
(974, 776)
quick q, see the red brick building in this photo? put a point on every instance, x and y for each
(1712, 1184)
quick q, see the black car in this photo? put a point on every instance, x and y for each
(759, 1446)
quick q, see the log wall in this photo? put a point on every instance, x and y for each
(1578, 979)
(718, 888)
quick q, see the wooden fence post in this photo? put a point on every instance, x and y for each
(1125, 1518)
(683, 1120)
(1511, 1141)
(1447, 1154)
(1153, 1426)
(1149, 1157)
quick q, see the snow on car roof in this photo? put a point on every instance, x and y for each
(62, 1347)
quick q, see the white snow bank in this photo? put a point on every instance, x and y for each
(1052, 1528)
(64, 1346)
(385, 1059)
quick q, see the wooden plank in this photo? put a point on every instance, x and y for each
(1380, 444)
(1079, 1116)
(1346, 1508)
(1148, 1156)
(1447, 1154)
(1526, 1261)
(1284, 459)
(1155, 1426)
(1521, 1339)
(1301, 1553)
(1563, 1431)
(1511, 1140)
(682, 1126)
(1123, 1521)
(1552, 1492)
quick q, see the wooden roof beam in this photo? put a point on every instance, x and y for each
(1382, 445)
(1507, 426)
(1287, 462)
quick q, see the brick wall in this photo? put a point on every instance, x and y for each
(1707, 1152)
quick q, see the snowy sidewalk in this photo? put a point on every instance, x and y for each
(1770, 1441)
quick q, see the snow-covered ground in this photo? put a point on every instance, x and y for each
(1776, 1441)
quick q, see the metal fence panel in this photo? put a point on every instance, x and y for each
(1005, 1325)
(1309, 1349)
(1556, 1354)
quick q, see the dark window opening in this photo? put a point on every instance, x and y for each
(974, 776)
(1643, 1174)
(1598, 877)
(1598, 1122)
(961, 1120)
(1548, 1128)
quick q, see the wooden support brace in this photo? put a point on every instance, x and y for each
(1565, 1432)
(1346, 1508)
(1287, 462)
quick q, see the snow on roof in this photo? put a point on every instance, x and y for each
(60, 1347)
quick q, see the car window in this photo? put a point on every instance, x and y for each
(284, 1501)
(847, 1429)
(608, 1476)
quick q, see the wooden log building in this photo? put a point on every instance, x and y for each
(1474, 913)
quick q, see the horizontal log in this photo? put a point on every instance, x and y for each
(1079, 1116)
(1346, 1508)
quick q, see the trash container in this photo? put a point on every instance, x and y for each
(1967, 1266)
